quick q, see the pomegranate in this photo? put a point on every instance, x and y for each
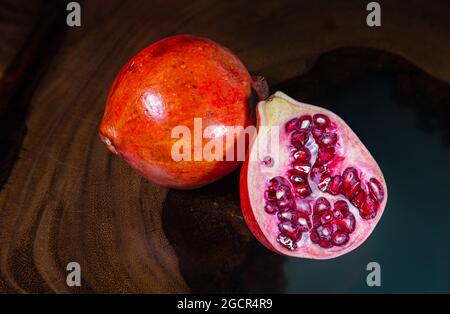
(320, 193)
(169, 84)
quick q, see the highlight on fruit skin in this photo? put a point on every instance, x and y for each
(169, 84)
(322, 195)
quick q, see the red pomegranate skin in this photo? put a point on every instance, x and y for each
(168, 84)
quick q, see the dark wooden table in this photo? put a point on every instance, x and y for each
(64, 198)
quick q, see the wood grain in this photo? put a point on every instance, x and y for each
(68, 199)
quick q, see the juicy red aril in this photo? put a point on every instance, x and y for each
(325, 232)
(302, 154)
(297, 178)
(278, 181)
(291, 125)
(304, 122)
(287, 242)
(302, 167)
(303, 222)
(325, 179)
(349, 177)
(375, 189)
(317, 133)
(325, 244)
(321, 121)
(299, 138)
(370, 207)
(321, 204)
(350, 182)
(341, 209)
(270, 208)
(334, 187)
(326, 216)
(303, 190)
(287, 216)
(340, 238)
(282, 192)
(325, 154)
(284, 203)
(350, 222)
(314, 236)
(304, 207)
(359, 199)
(290, 229)
(340, 225)
(328, 139)
(270, 195)
(268, 161)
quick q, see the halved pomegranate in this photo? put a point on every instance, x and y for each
(320, 193)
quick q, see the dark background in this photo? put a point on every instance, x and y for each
(64, 198)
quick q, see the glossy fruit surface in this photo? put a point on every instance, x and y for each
(318, 193)
(169, 84)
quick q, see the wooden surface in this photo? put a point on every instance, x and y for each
(67, 199)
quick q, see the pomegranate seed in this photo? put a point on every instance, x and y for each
(334, 187)
(351, 222)
(325, 154)
(325, 232)
(317, 133)
(376, 189)
(302, 154)
(324, 181)
(321, 121)
(304, 122)
(289, 229)
(317, 171)
(349, 178)
(316, 220)
(370, 208)
(303, 222)
(278, 181)
(291, 125)
(282, 192)
(314, 236)
(286, 242)
(359, 199)
(287, 216)
(328, 139)
(326, 216)
(341, 209)
(340, 238)
(340, 225)
(270, 208)
(299, 138)
(326, 244)
(284, 204)
(321, 204)
(270, 195)
(268, 161)
(304, 207)
(303, 190)
(353, 191)
(302, 167)
(297, 178)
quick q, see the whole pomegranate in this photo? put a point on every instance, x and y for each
(317, 193)
(173, 83)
